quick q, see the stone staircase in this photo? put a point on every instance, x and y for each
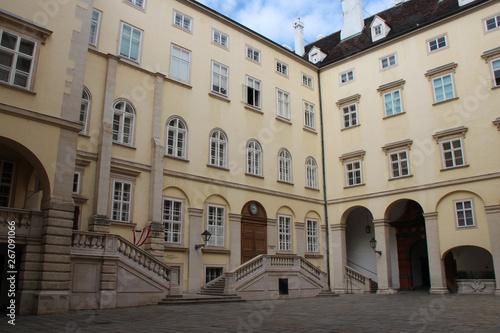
(215, 287)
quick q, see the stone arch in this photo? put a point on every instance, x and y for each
(176, 192)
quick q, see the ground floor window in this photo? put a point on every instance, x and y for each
(212, 273)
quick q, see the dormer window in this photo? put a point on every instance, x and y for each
(379, 28)
(316, 55)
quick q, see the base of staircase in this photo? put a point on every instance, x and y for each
(325, 293)
(200, 299)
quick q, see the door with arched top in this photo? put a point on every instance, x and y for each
(253, 231)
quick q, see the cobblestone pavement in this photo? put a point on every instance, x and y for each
(402, 312)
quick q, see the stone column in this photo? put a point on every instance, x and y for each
(155, 244)
(99, 222)
(195, 264)
(271, 236)
(235, 240)
(300, 239)
(384, 269)
(493, 218)
(339, 257)
(322, 249)
(436, 264)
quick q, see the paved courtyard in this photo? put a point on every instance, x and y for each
(403, 312)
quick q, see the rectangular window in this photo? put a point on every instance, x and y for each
(283, 104)
(6, 182)
(453, 155)
(307, 80)
(285, 233)
(253, 54)
(281, 68)
(95, 24)
(353, 173)
(252, 92)
(180, 64)
(172, 220)
(495, 67)
(312, 235)
(220, 39)
(130, 42)
(392, 103)
(399, 164)
(121, 203)
(309, 116)
(212, 273)
(443, 88)
(215, 222)
(183, 21)
(492, 23)
(437, 43)
(138, 3)
(346, 77)
(464, 213)
(388, 61)
(350, 116)
(220, 77)
(76, 182)
(377, 30)
(16, 59)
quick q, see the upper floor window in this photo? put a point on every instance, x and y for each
(352, 167)
(281, 68)
(392, 103)
(215, 224)
(218, 149)
(346, 76)
(121, 201)
(350, 115)
(220, 38)
(183, 21)
(251, 92)
(123, 123)
(220, 78)
(138, 3)
(130, 42)
(464, 213)
(283, 104)
(95, 24)
(307, 80)
(84, 110)
(442, 82)
(311, 173)
(312, 235)
(254, 158)
(77, 177)
(180, 64)
(437, 43)
(284, 166)
(309, 115)
(17, 57)
(492, 23)
(452, 148)
(399, 161)
(176, 138)
(172, 220)
(285, 233)
(252, 54)
(388, 61)
(495, 68)
(377, 30)
(6, 182)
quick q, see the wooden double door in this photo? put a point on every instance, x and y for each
(253, 232)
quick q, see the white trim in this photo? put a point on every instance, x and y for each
(464, 211)
(214, 240)
(285, 243)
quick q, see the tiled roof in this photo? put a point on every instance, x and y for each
(402, 18)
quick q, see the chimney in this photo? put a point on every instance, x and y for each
(353, 18)
(299, 37)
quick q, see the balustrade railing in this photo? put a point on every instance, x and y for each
(28, 223)
(364, 282)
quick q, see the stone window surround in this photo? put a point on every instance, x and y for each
(440, 71)
(451, 134)
(354, 156)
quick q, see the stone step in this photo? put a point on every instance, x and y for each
(326, 293)
(201, 300)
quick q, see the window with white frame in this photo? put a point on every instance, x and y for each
(284, 233)
(218, 149)
(346, 76)
(251, 92)
(172, 220)
(220, 78)
(180, 64)
(350, 116)
(252, 54)
(495, 69)
(17, 57)
(95, 25)
(220, 38)
(254, 158)
(123, 123)
(388, 61)
(399, 164)
(130, 42)
(307, 80)
(309, 115)
(377, 30)
(282, 104)
(6, 182)
(312, 234)
(453, 154)
(311, 173)
(353, 173)
(443, 88)
(284, 166)
(464, 213)
(437, 43)
(215, 224)
(492, 23)
(121, 201)
(84, 110)
(176, 138)
(77, 176)
(392, 103)
(183, 21)
(138, 3)
(281, 68)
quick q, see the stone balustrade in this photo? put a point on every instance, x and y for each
(28, 223)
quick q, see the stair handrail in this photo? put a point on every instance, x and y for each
(366, 269)
(353, 274)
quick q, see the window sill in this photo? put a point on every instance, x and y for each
(134, 6)
(394, 115)
(254, 61)
(182, 159)
(25, 90)
(214, 250)
(466, 227)
(129, 61)
(312, 188)
(218, 167)
(285, 182)
(173, 248)
(446, 101)
(284, 75)
(219, 96)
(181, 83)
(124, 224)
(356, 185)
(312, 255)
(348, 128)
(284, 120)
(124, 145)
(495, 87)
(79, 199)
(85, 135)
(401, 177)
(310, 130)
(455, 167)
(286, 253)
(183, 29)
(220, 46)
(253, 108)
(254, 175)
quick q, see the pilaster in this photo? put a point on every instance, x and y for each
(493, 218)
(384, 269)
(155, 243)
(436, 264)
(338, 257)
(271, 236)
(300, 239)
(235, 240)
(195, 273)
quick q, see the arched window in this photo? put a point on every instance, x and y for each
(218, 149)
(311, 173)
(254, 158)
(284, 166)
(123, 123)
(85, 110)
(176, 138)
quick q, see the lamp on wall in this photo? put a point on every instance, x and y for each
(373, 245)
(368, 228)
(205, 237)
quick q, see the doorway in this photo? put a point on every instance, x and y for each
(253, 231)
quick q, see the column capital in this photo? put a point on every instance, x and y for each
(234, 217)
(430, 216)
(495, 209)
(195, 212)
(337, 227)
(381, 223)
(300, 225)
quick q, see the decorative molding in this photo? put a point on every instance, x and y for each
(496, 122)
(404, 144)
(132, 165)
(395, 84)
(490, 54)
(450, 133)
(215, 251)
(348, 100)
(448, 68)
(27, 27)
(355, 155)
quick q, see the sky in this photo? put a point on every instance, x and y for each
(274, 18)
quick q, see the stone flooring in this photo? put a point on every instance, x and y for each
(402, 312)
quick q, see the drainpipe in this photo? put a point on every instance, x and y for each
(325, 198)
